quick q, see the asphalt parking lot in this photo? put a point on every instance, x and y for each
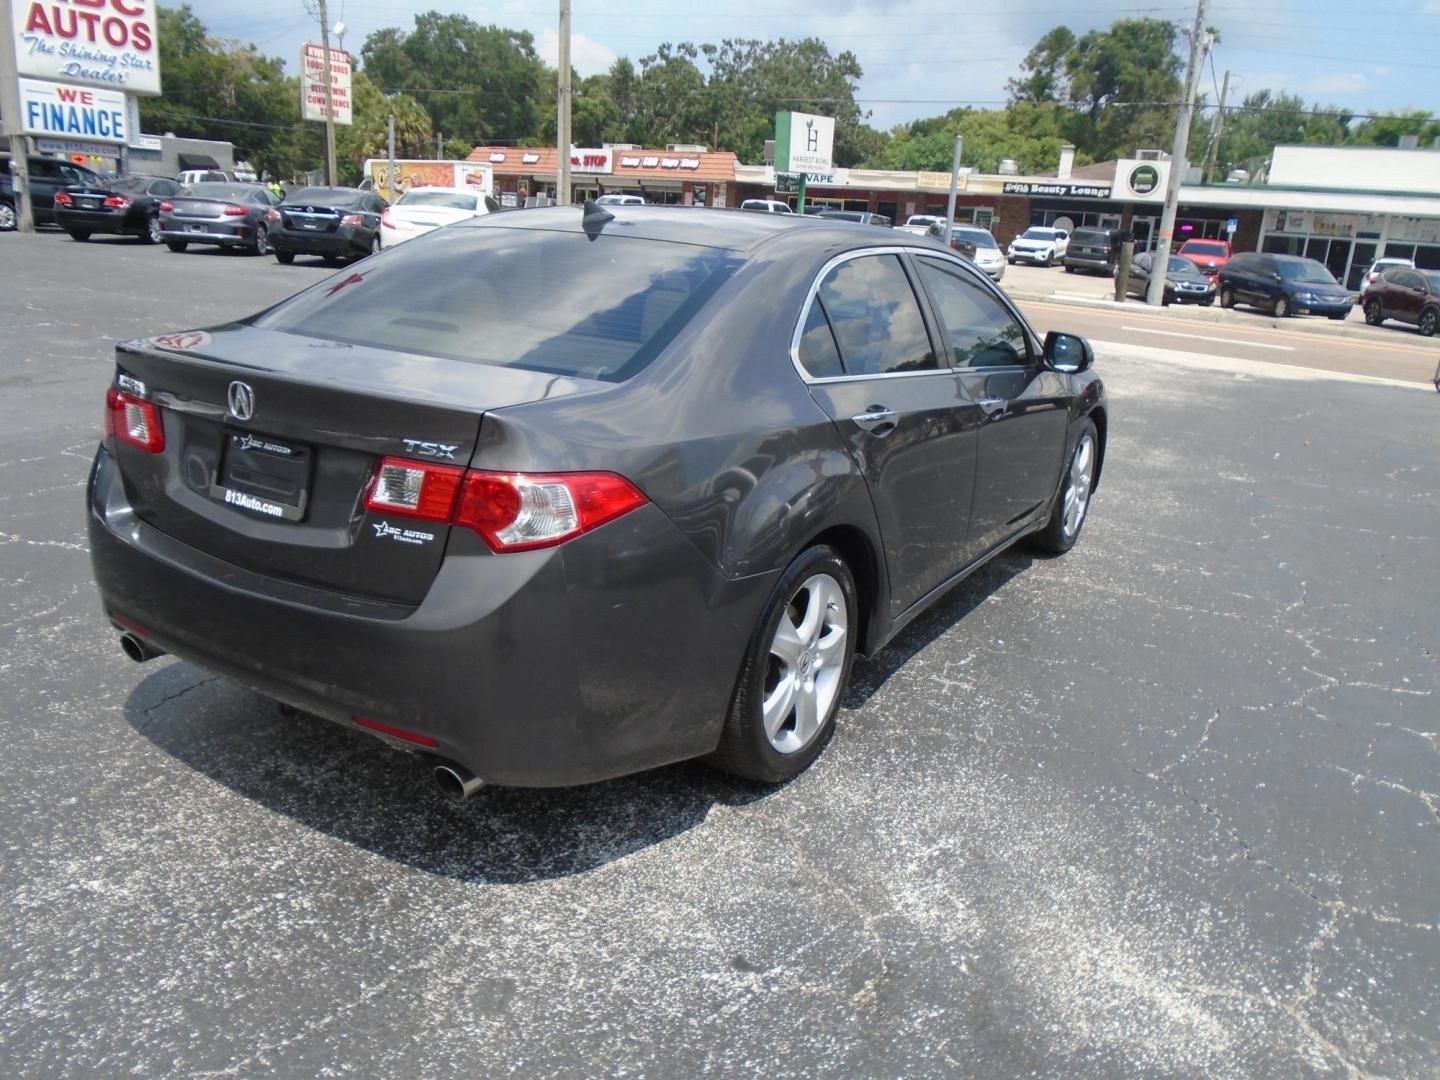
(1166, 806)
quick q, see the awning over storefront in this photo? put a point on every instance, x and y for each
(197, 161)
(612, 167)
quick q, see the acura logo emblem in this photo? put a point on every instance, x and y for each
(242, 401)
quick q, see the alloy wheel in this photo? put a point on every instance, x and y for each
(1429, 322)
(152, 230)
(1282, 307)
(7, 217)
(262, 240)
(1077, 486)
(806, 663)
(1374, 313)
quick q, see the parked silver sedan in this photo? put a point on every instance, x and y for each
(228, 214)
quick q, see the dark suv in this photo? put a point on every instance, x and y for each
(1094, 249)
(1283, 285)
(47, 176)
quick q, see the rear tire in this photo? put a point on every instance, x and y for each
(1072, 501)
(177, 246)
(151, 235)
(285, 258)
(1429, 322)
(8, 220)
(79, 235)
(798, 664)
(1281, 308)
(1339, 317)
(1227, 297)
(1374, 311)
(261, 246)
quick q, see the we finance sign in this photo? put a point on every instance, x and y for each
(106, 43)
(72, 112)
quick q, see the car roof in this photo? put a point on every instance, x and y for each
(448, 189)
(707, 227)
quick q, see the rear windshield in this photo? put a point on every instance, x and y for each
(222, 191)
(1196, 247)
(324, 196)
(1090, 236)
(548, 301)
(450, 200)
(1306, 270)
(981, 238)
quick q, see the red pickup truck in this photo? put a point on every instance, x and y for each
(1208, 255)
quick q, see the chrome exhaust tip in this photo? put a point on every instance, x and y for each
(457, 781)
(136, 649)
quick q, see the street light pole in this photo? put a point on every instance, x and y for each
(329, 97)
(562, 119)
(954, 187)
(1160, 257)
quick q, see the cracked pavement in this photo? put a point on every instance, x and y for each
(1166, 806)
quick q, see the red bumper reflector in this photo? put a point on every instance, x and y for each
(398, 733)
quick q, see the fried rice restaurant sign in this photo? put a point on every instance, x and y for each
(105, 43)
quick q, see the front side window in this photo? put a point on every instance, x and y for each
(982, 333)
(876, 318)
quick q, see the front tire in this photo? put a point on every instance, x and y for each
(1072, 501)
(1374, 311)
(796, 667)
(1227, 297)
(284, 258)
(177, 246)
(8, 218)
(1429, 322)
(79, 235)
(1281, 308)
(261, 246)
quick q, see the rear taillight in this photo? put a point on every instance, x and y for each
(166, 207)
(117, 202)
(385, 219)
(62, 198)
(234, 211)
(272, 214)
(510, 511)
(353, 219)
(133, 421)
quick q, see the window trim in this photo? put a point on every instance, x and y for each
(922, 298)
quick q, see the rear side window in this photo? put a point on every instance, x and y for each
(818, 354)
(876, 318)
(548, 301)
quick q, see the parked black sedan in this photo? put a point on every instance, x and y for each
(227, 214)
(333, 222)
(551, 498)
(129, 206)
(1184, 283)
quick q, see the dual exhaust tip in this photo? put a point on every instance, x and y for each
(452, 778)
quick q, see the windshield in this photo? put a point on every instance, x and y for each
(1306, 270)
(924, 219)
(1181, 266)
(322, 195)
(548, 301)
(1433, 276)
(1039, 234)
(221, 191)
(448, 200)
(981, 238)
(1195, 247)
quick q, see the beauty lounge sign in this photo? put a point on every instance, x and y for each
(104, 43)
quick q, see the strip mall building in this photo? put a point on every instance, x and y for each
(1343, 206)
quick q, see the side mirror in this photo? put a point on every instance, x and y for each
(1068, 352)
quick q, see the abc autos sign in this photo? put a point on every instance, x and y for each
(105, 43)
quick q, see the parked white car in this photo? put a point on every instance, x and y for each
(620, 200)
(766, 206)
(424, 209)
(1039, 244)
(988, 256)
(1378, 267)
(919, 224)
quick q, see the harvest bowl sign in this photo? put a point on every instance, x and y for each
(109, 43)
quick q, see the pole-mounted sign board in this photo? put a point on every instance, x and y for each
(105, 43)
(73, 112)
(804, 143)
(312, 84)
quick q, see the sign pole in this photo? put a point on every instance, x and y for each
(10, 111)
(390, 156)
(562, 118)
(800, 199)
(954, 187)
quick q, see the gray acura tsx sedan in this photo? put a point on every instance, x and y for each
(556, 495)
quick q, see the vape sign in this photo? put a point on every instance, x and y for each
(108, 43)
(804, 143)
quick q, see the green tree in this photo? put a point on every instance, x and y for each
(478, 83)
(1387, 130)
(1029, 133)
(1266, 120)
(1125, 80)
(1044, 77)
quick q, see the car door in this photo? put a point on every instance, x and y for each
(1024, 402)
(871, 362)
(1139, 279)
(45, 180)
(1406, 295)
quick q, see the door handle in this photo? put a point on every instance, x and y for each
(993, 406)
(877, 420)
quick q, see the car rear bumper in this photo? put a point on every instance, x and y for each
(308, 243)
(613, 653)
(95, 221)
(1090, 262)
(208, 232)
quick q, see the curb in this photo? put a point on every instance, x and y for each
(1241, 320)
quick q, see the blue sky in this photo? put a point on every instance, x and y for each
(921, 57)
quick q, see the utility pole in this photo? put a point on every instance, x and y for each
(1215, 133)
(390, 156)
(562, 119)
(19, 143)
(439, 146)
(1160, 258)
(954, 187)
(329, 96)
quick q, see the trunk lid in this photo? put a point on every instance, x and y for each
(282, 492)
(316, 219)
(428, 217)
(206, 209)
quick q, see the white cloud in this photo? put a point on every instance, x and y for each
(1340, 82)
(587, 56)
